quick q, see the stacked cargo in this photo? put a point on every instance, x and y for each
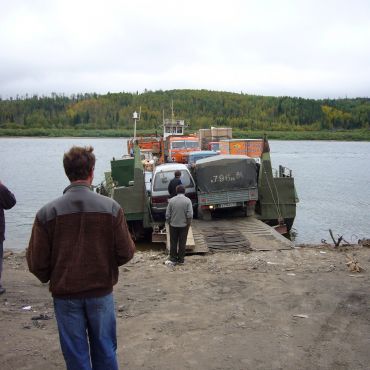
(213, 134)
(250, 147)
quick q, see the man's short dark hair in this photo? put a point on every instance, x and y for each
(177, 173)
(78, 162)
(180, 189)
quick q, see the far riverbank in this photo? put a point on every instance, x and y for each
(340, 135)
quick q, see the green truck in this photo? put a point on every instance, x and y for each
(226, 182)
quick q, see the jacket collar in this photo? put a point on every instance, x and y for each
(77, 185)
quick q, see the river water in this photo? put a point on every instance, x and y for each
(332, 181)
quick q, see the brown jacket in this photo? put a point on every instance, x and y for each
(77, 243)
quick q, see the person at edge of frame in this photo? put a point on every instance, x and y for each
(7, 201)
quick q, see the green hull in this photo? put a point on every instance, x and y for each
(125, 184)
(277, 197)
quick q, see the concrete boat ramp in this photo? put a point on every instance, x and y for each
(235, 234)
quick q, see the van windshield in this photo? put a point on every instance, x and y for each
(162, 180)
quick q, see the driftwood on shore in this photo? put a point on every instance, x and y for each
(340, 239)
(364, 242)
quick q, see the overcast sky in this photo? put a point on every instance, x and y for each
(307, 48)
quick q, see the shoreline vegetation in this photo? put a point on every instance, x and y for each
(252, 116)
(337, 135)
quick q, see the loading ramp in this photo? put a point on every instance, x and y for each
(235, 234)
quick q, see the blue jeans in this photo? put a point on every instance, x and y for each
(87, 332)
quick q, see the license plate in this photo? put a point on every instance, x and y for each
(227, 205)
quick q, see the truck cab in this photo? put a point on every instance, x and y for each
(192, 157)
(214, 146)
(178, 146)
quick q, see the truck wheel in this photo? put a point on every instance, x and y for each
(248, 211)
(204, 214)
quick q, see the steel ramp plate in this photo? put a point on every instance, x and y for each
(225, 239)
(239, 233)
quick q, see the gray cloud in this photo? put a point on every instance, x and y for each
(299, 48)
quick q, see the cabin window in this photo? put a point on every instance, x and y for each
(192, 144)
(178, 145)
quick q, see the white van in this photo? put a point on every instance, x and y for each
(162, 176)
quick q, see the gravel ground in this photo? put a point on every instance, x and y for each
(295, 309)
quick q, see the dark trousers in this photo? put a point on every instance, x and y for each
(178, 237)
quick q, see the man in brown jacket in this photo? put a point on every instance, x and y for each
(7, 201)
(77, 243)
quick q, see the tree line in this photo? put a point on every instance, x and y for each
(199, 108)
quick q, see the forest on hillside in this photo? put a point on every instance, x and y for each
(199, 108)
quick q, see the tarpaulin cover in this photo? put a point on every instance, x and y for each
(226, 172)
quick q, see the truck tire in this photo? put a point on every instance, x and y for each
(204, 214)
